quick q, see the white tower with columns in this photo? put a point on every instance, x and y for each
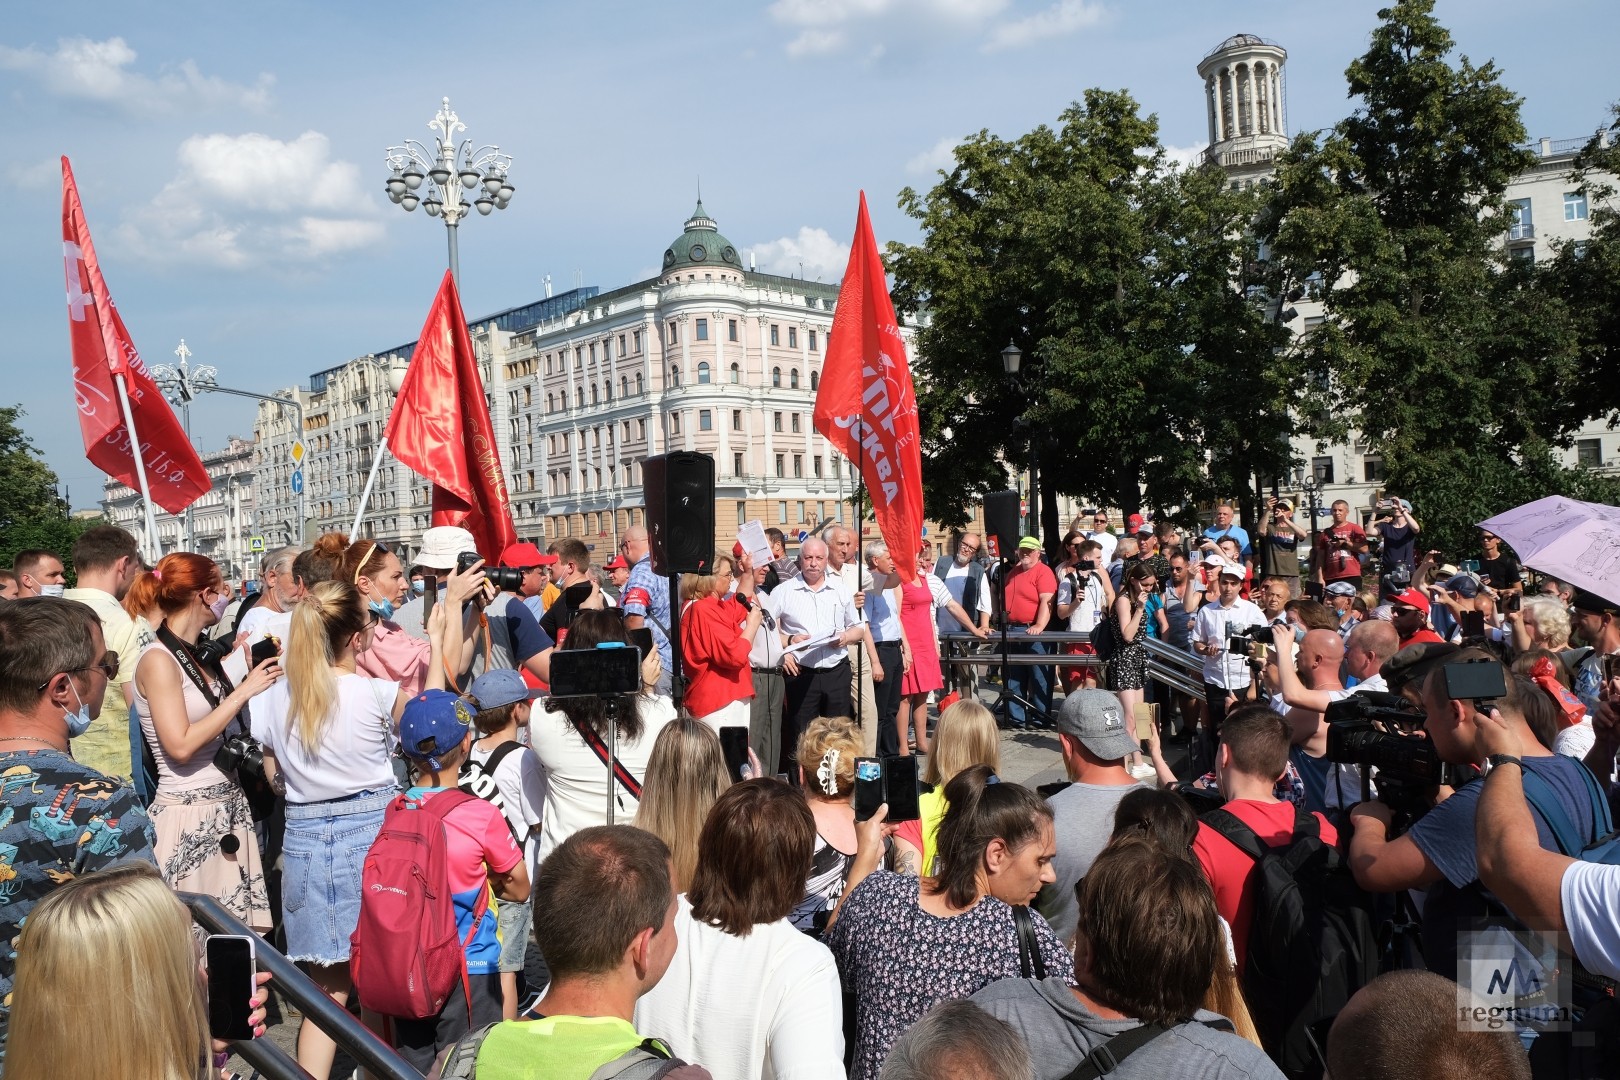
(1245, 102)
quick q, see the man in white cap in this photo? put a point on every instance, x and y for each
(441, 545)
(1226, 675)
(1095, 739)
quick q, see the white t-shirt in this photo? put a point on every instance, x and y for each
(1108, 542)
(1093, 602)
(1213, 625)
(356, 752)
(766, 1005)
(260, 622)
(522, 784)
(1587, 894)
(577, 780)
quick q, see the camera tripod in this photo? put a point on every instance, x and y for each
(1001, 708)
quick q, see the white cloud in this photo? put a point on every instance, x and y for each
(1185, 156)
(250, 200)
(942, 155)
(101, 71)
(39, 176)
(1061, 19)
(813, 254)
(823, 25)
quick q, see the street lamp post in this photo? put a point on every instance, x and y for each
(1012, 358)
(448, 169)
(1313, 496)
(179, 384)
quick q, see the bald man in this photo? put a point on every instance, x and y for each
(842, 561)
(646, 599)
(1307, 684)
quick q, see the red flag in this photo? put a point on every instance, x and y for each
(440, 428)
(102, 349)
(866, 406)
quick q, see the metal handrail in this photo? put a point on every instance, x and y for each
(1176, 668)
(357, 1040)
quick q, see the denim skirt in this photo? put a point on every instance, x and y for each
(321, 860)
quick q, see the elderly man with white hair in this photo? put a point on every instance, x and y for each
(816, 611)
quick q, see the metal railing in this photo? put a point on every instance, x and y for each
(270, 1060)
(1176, 668)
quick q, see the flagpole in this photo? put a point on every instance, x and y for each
(371, 482)
(153, 548)
(860, 582)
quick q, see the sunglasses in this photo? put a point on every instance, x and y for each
(107, 665)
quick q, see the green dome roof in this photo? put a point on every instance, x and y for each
(701, 245)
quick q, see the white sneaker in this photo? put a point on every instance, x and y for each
(1144, 771)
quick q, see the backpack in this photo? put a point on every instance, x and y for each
(1312, 943)
(478, 779)
(1105, 637)
(649, 1061)
(406, 955)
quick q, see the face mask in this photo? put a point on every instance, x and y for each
(52, 590)
(383, 608)
(77, 722)
(419, 586)
(219, 605)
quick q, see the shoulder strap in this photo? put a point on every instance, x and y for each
(1541, 796)
(1105, 1057)
(496, 756)
(1232, 827)
(461, 1062)
(594, 741)
(1031, 965)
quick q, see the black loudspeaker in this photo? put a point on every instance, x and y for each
(1001, 521)
(679, 488)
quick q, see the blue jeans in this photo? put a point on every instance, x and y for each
(1033, 683)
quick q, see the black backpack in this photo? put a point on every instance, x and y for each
(1105, 636)
(1312, 943)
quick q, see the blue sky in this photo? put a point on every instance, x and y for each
(230, 157)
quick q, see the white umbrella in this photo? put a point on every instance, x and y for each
(1576, 541)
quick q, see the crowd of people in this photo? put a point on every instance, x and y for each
(672, 878)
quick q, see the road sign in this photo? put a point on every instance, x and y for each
(925, 530)
(297, 452)
(298, 482)
(255, 543)
(804, 534)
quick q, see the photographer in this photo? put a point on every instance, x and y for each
(1339, 548)
(1397, 533)
(1226, 676)
(506, 634)
(392, 653)
(1439, 852)
(187, 707)
(1279, 543)
(1084, 595)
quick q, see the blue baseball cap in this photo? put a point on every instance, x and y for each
(434, 723)
(497, 687)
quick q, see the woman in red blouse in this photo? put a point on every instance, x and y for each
(719, 619)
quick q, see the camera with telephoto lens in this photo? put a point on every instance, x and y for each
(1379, 733)
(1242, 642)
(504, 578)
(210, 651)
(240, 753)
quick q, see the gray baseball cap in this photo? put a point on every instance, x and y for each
(1095, 718)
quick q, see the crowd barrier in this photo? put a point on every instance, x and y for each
(1176, 668)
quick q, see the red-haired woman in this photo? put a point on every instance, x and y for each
(187, 707)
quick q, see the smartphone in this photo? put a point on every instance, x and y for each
(1475, 680)
(1611, 667)
(868, 787)
(1086, 564)
(1314, 591)
(263, 649)
(641, 637)
(1472, 623)
(734, 745)
(900, 788)
(230, 962)
(1509, 603)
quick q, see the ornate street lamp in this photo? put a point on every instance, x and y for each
(1012, 358)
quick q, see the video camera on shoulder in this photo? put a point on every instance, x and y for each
(1382, 735)
(1252, 642)
(612, 669)
(504, 578)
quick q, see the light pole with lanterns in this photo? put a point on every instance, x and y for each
(1012, 359)
(448, 170)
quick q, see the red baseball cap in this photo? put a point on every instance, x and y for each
(617, 563)
(523, 555)
(1411, 598)
(1134, 522)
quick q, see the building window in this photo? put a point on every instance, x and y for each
(703, 372)
(1589, 453)
(793, 379)
(1372, 470)
(607, 390)
(551, 405)
(776, 377)
(641, 429)
(781, 513)
(705, 420)
(675, 423)
(1520, 226)
(736, 374)
(731, 329)
(1574, 206)
(815, 465)
(812, 341)
(624, 386)
(793, 337)
(742, 513)
(736, 419)
(638, 382)
(674, 375)
(579, 358)
(798, 474)
(801, 512)
(595, 400)
(737, 468)
(795, 422)
(579, 397)
(703, 329)
(623, 353)
(815, 380)
(776, 422)
(781, 465)
(635, 339)
(774, 340)
(1322, 469)
(674, 332)
(593, 352)
(1527, 253)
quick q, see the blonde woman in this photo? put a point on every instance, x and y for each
(827, 752)
(116, 936)
(965, 735)
(329, 735)
(685, 775)
(718, 621)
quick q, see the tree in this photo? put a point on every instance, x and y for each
(1150, 370)
(32, 515)
(1442, 353)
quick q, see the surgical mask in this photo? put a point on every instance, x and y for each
(384, 609)
(419, 586)
(77, 722)
(52, 590)
(219, 605)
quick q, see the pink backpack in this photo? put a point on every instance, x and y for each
(405, 955)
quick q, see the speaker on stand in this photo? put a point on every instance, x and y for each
(679, 492)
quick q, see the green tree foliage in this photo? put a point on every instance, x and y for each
(1447, 357)
(32, 515)
(1150, 375)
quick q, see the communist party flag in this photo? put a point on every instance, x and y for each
(440, 428)
(866, 406)
(103, 351)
